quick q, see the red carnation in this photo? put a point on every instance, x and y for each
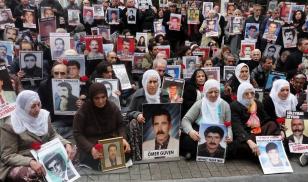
(98, 147)
(306, 51)
(233, 97)
(84, 78)
(280, 120)
(65, 62)
(227, 123)
(36, 146)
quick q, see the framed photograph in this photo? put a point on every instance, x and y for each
(289, 37)
(113, 154)
(212, 136)
(6, 49)
(46, 26)
(47, 12)
(113, 16)
(59, 42)
(31, 63)
(297, 133)
(112, 87)
(252, 31)
(57, 165)
(206, 7)
(8, 95)
(285, 8)
(126, 48)
(159, 28)
(271, 30)
(272, 5)
(104, 31)
(212, 73)
(193, 16)
(65, 93)
(137, 63)
(236, 25)
(163, 3)
(107, 48)
(6, 18)
(10, 33)
(73, 17)
(174, 71)
(229, 71)
(190, 63)
(273, 158)
(295, 7)
(174, 87)
(98, 11)
(202, 51)
(131, 15)
(76, 60)
(272, 77)
(164, 49)
(161, 131)
(88, 14)
(121, 74)
(175, 22)
(272, 50)
(29, 20)
(142, 42)
(94, 30)
(211, 29)
(259, 94)
(230, 7)
(94, 47)
(246, 49)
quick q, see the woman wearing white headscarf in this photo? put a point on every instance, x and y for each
(28, 124)
(249, 120)
(150, 94)
(211, 109)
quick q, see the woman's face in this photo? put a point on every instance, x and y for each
(108, 73)
(284, 92)
(249, 94)
(200, 78)
(212, 94)
(100, 100)
(188, 53)
(35, 109)
(208, 63)
(244, 74)
(298, 15)
(152, 85)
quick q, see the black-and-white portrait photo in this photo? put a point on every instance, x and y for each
(59, 42)
(31, 64)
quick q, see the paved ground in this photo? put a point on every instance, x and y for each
(232, 170)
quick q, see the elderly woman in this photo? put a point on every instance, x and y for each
(210, 109)
(97, 119)
(150, 94)
(28, 124)
(249, 120)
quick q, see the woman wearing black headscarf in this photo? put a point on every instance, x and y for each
(97, 119)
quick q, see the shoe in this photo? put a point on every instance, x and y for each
(303, 159)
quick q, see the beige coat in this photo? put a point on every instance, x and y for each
(15, 148)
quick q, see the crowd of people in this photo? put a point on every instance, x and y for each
(98, 115)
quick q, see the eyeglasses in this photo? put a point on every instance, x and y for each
(59, 73)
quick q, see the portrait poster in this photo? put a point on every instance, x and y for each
(94, 47)
(107, 48)
(98, 11)
(142, 42)
(289, 37)
(161, 132)
(31, 63)
(47, 26)
(65, 93)
(211, 29)
(7, 93)
(6, 18)
(112, 89)
(88, 14)
(202, 51)
(206, 7)
(73, 17)
(272, 5)
(272, 30)
(272, 50)
(47, 12)
(212, 136)
(272, 77)
(126, 48)
(94, 31)
(52, 155)
(175, 88)
(164, 49)
(229, 71)
(236, 25)
(137, 63)
(144, 4)
(64, 3)
(212, 73)
(104, 30)
(273, 158)
(252, 31)
(29, 20)
(305, 62)
(297, 131)
(113, 16)
(131, 15)
(193, 16)
(6, 52)
(113, 154)
(175, 22)
(246, 49)
(174, 71)
(121, 73)
(259, 94)
(285, 8)
(11, 34)
(59, 42)
(191, 64)
(80, 60)
(159, 28)
(295, 7)
(163, 3)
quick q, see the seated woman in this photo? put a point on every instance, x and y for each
(151, 94)
(210, 109)
(249, 120)
(97, 119)
(28, 124)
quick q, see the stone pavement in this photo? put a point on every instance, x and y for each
(232, 170)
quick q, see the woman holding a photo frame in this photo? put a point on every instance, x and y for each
(29, 125)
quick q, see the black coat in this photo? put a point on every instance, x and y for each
(292, 62)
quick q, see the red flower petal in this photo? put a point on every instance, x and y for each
(84, 78)
(227, 123)
(36, 145)
(98, 147)
(280, 120)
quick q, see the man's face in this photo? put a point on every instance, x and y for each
(59, 45)
(299, 83)
(48, 13)
(304, 45)
(247, 51)
(273, 156)
(112, 153)
(11, 34)
(267, 66)
(55, 167)
(94, 46)
(212, 140)
(29, 17)
(161, 128)
(252, 32)
(256, 56)
(161, 68)
(257, 10)
(172, 90)
(109, 89)
(272, 28)
(112, 57)
(30, 61)
(297, 126)
(3, 51)
(59, 71)
(289, 36)
(125, 46)
(63, 92)
(114, 16)
(73, 71)
(191, 65)
(155, 50)
(271, 52)
(230, 10)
